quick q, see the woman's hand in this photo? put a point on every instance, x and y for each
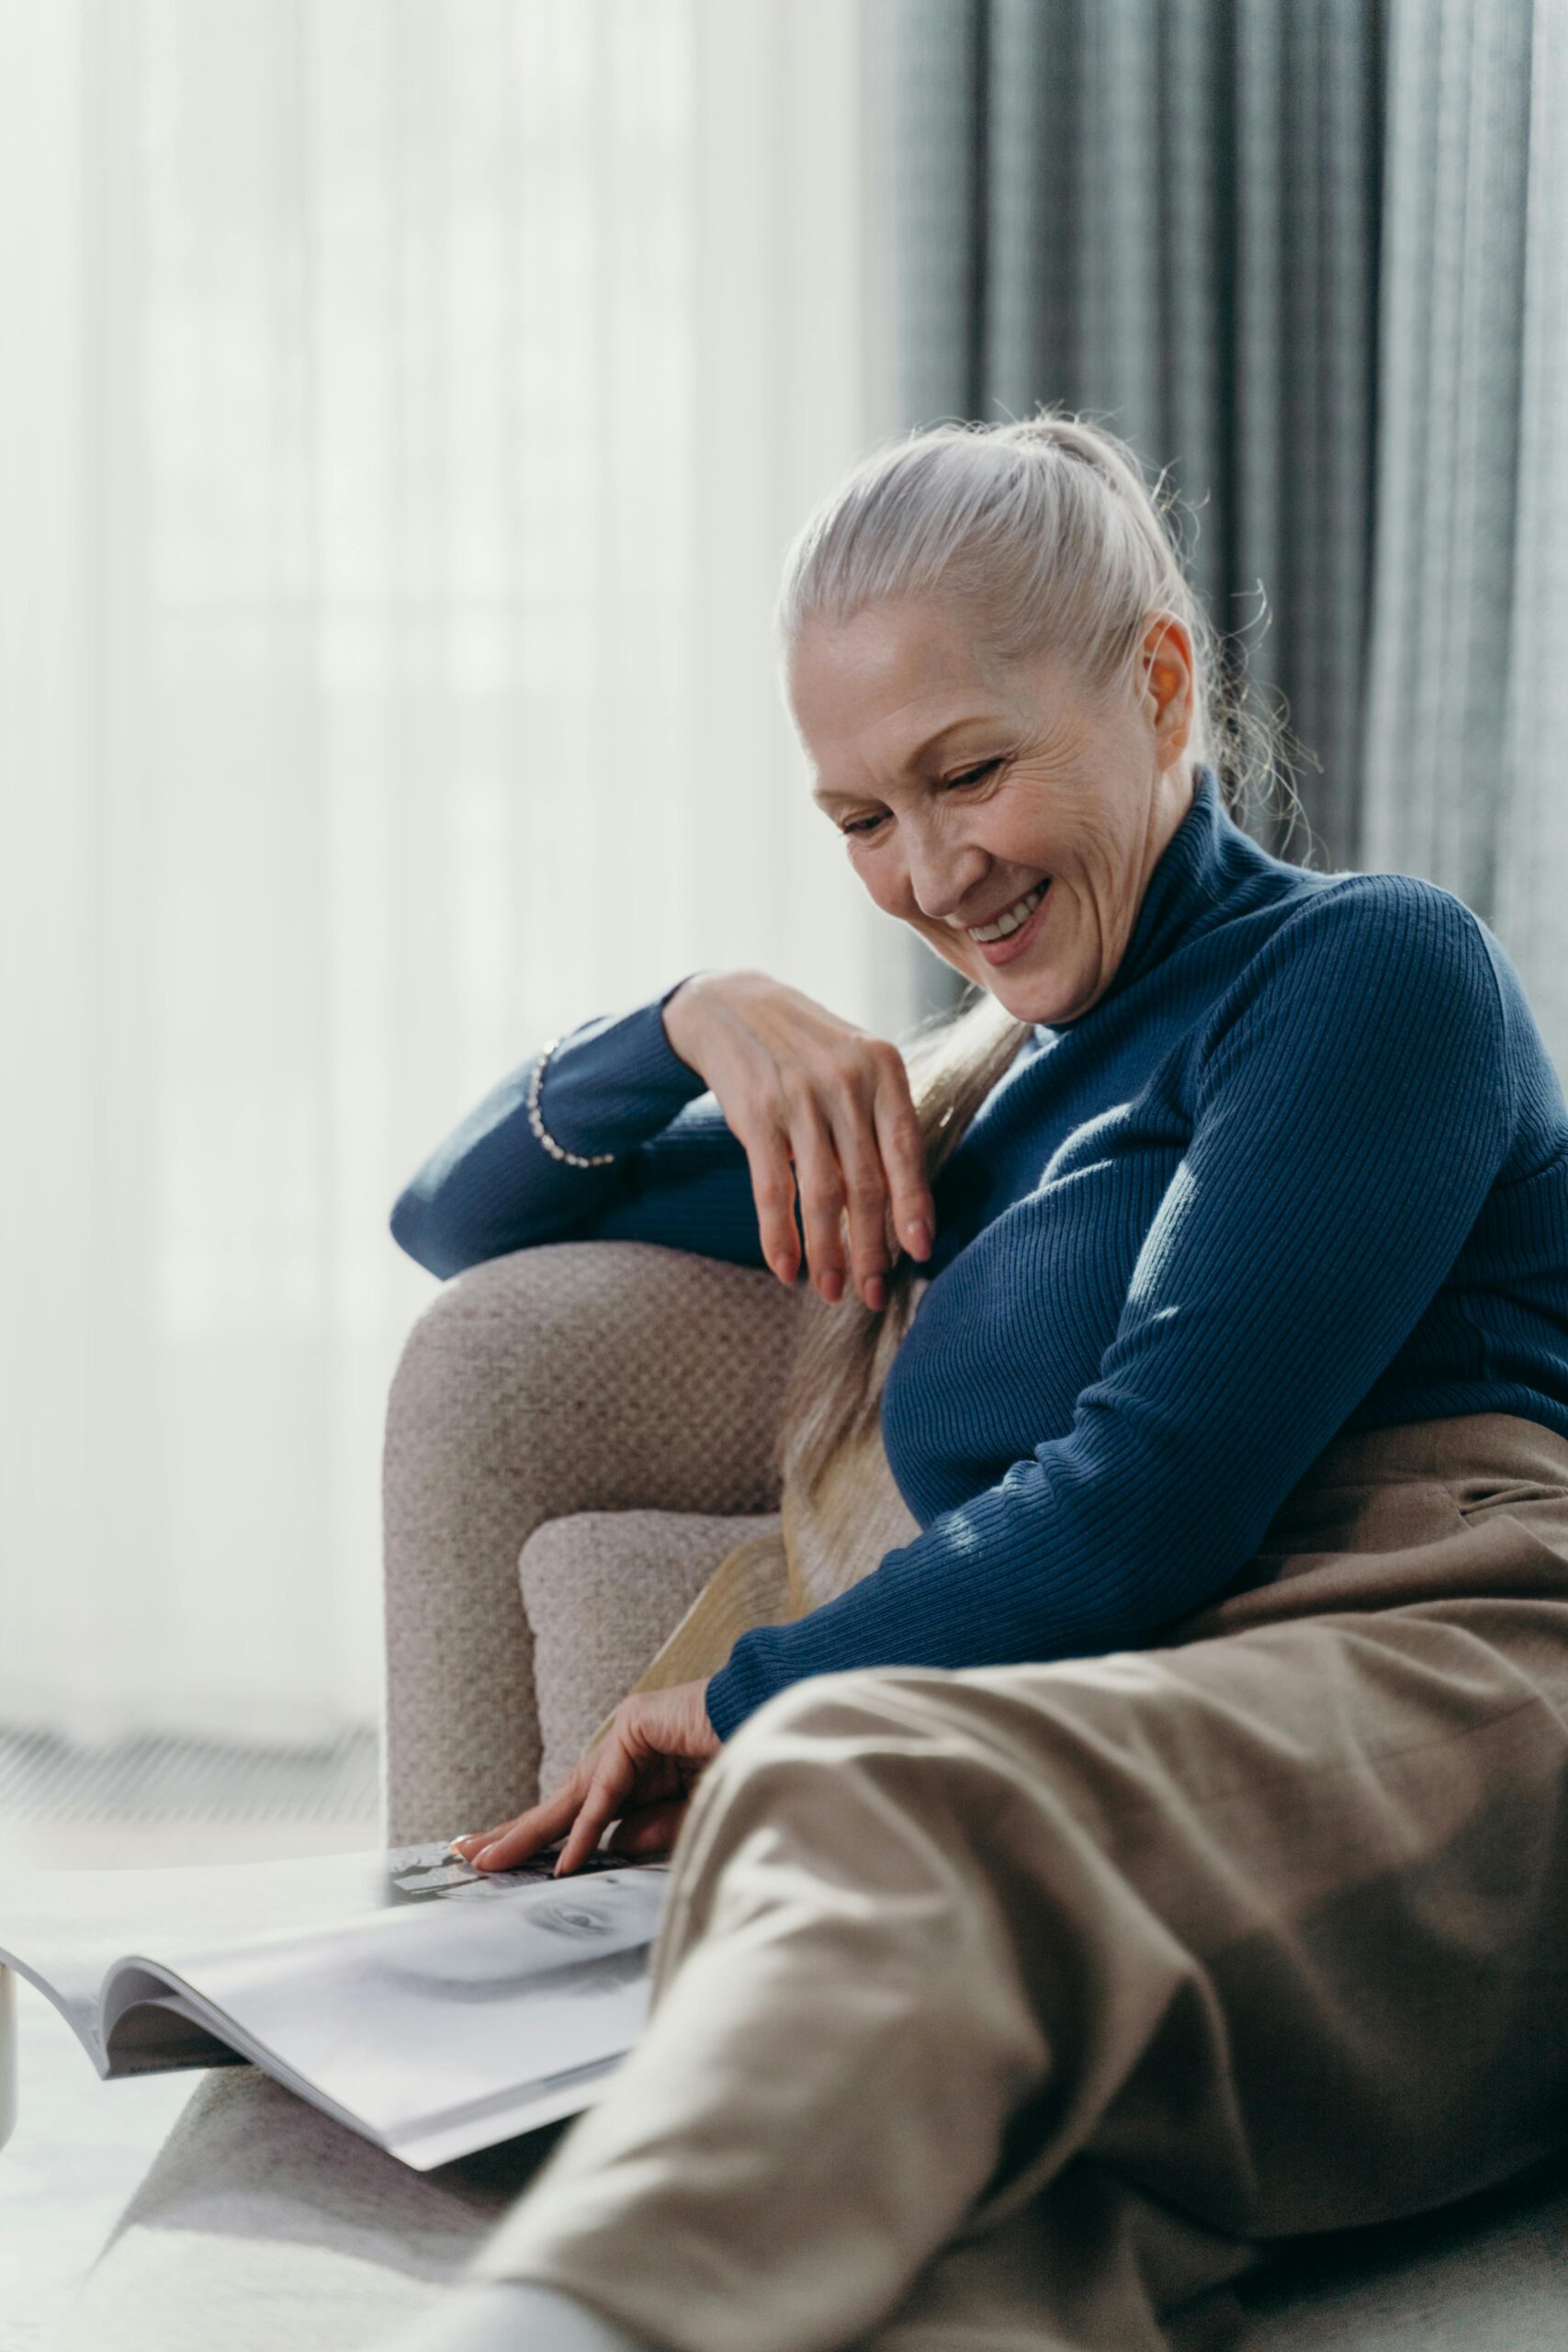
(643, 1769)
(807, 1092)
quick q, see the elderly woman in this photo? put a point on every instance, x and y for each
(1165, 1851)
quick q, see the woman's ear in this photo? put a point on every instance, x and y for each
(1168, 690)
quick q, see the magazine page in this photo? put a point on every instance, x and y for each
(463, 2010)
(63, 1929)
(66, 1929)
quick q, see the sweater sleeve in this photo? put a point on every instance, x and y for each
(678, 1175)
(1351, 1111)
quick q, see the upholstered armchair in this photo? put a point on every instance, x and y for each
(576, 1436)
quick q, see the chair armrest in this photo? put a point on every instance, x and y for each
(602, 1592)
(573, 1377)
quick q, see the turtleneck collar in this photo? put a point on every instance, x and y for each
(1185, 893)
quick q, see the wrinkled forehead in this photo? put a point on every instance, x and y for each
(881, 657)
(881, 673)
(882, 697)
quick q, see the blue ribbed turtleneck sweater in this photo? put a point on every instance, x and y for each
(1304, 1168)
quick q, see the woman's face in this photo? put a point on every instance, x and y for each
(1038, 791)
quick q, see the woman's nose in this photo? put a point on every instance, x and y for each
(942, 883)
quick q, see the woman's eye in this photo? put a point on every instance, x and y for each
(971, 775)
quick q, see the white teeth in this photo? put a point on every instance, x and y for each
(1012, 917)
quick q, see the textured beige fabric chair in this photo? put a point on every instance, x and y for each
(575, 1435)
(622, 1396)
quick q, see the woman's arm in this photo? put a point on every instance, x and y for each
(1335, 1167)
(614, 1084)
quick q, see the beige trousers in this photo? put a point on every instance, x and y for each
(1019, 2007)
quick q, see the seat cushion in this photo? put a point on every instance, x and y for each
(1488, 2275)
(263, 2224)
(601, 1590)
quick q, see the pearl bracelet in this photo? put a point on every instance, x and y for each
(557, 1150)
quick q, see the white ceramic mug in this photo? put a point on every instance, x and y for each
(8, 2054)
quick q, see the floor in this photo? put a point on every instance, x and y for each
(81, 2145)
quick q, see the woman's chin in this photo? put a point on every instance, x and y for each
(1041, 997)
(1038, 997)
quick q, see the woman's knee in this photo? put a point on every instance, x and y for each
(864, 1780)
(852, 1825)
(925, 1792)
(911, 1707)
(856, 1731)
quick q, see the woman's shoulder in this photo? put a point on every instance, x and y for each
(1397, 971)
(1374, 904)
(1379, 933)
(1357, 961)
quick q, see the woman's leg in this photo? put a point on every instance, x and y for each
(1020, 2002)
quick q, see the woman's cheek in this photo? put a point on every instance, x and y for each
(889, 887)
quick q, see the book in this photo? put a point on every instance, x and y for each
(434, 2008)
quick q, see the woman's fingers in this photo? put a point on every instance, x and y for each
(650, 1829)
(517, 1839)
(903, 1155)
(615, 1777)
(478, 1839)
(867, 1182)
(866, 1173)
(821, 1181)
(834, 1165)
(658, 1744)
(772, 1189)
(827, 1117)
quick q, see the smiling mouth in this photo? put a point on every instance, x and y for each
(1010, 918)
(1011, 945)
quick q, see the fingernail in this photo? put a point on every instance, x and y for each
(920, 1240)
(876, 1293)
(482, 1859)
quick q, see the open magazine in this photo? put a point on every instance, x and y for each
(431, 2008)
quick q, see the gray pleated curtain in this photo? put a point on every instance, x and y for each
(1309, 255)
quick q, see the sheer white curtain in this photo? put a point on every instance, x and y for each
(404, 409)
